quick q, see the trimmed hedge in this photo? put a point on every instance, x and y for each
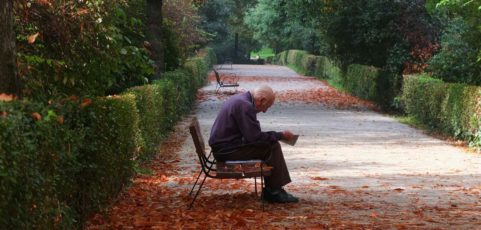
(361, 81)
(37, 158)
(280, 58)
(452, 108)
(150, 103)
(370, 83)
(365, 82)
(325, 68)
(111, 142)
(308, 64)
(63, 161)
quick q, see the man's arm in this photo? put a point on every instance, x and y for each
(250, 127)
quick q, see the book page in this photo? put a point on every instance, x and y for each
(292, 141)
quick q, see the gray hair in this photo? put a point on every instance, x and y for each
(264, 91)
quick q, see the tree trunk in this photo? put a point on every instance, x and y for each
(9, 82)
(154, 34)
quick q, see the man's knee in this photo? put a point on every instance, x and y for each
(276, 147)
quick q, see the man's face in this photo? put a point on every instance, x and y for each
(263, 105)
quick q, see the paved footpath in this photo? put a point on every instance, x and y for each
(352, 168)
(357, 157)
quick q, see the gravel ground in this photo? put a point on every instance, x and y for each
(401, 175)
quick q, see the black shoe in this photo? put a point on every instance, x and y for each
(278, 196)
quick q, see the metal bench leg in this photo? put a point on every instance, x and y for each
(262, 187)
(255, 185)
(198, 191)
(200, 173)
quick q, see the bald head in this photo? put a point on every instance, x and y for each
(265, 92)
(264, 98)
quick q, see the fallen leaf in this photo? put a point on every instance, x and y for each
(86, 102)
(36, 116)
(31, 39)
(6, 97)
(60, 119)
(319, 178)
(43, 2)
(82, 11)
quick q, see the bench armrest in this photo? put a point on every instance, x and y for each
(230, 78)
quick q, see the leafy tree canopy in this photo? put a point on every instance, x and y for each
(284, 25)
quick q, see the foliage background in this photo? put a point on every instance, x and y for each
(60, 162)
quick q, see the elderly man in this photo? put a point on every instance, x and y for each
(236, 135)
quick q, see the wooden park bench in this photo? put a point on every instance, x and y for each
(223, 170)
(227, 63)
(226, 81)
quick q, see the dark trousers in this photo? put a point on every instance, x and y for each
(270, 152)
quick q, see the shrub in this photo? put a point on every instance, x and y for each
(38, 153)
(388, 88)
(380, 85)
(308, 63)
(457, 61)
(325, 68)
(199, 66)
(150, 104)
(294, 57)
(171, 48)
(185, 88)
(370, 33)
(361, 81)
(63, 161)
(416, 98)
(83, 48)
(281, 58)
(209, 57)
(459, 111)
(112, 142)
(452, 108)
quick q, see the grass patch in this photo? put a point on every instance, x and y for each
(263, 53)
(415, 123)
(411, 121)
(336, 84)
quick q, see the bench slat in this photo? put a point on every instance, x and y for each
(242, 169)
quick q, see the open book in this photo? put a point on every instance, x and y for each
(292, 141)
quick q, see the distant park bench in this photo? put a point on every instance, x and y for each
(223, 170)
(227, 63)
(226, 81)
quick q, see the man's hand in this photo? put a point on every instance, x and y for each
(287, 135)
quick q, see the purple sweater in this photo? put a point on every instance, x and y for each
(237, 124)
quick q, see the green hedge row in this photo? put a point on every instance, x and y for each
(368, 82)
(362, 81)
(452, 108)
(63, 161)
(308, 64)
